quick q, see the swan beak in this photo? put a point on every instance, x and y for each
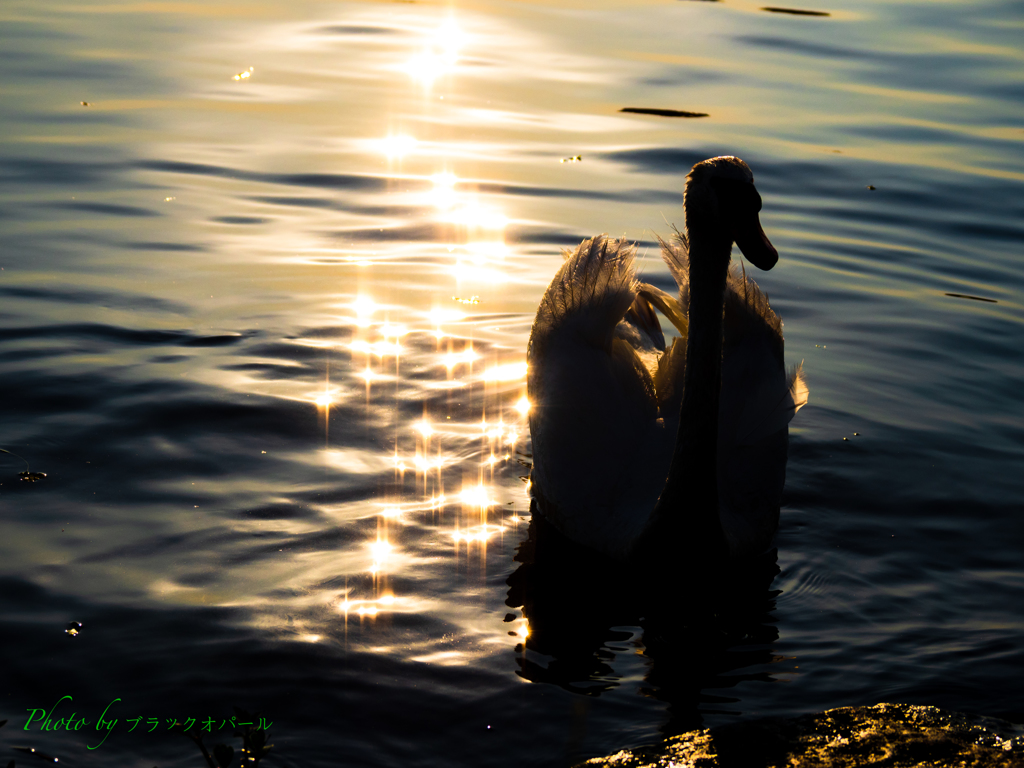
(754, 244)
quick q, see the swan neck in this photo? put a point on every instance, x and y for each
(687, 512)
(697, 440)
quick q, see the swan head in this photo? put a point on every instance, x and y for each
(721, 196)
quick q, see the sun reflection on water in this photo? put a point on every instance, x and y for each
(476, 496)
(440, 393)
(364, 308)
(506, 372)
(395, 147)
(443, 196)
(439, 55)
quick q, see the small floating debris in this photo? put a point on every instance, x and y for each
(662, 112)
(243, 75)
(871, 187)
(470, 300)
(573, 159)
(36, 753)
(794, 11)
(28, 474)
(86, 104)
(972, 298)
(74, 628)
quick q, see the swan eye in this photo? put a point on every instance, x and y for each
(740, 196)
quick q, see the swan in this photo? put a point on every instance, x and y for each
(639, 447)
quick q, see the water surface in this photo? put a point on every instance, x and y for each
(264, 304)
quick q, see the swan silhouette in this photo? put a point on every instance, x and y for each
(640, 449)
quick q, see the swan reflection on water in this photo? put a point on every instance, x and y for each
(579, 606)
(658, 469)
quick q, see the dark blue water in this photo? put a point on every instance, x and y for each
(254, 498)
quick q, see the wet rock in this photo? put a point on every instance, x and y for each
(890, 735)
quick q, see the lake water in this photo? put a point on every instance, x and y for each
(268, 274)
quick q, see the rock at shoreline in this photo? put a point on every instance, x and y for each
(890, 735)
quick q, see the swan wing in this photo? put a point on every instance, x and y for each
(748, 313)
(589, 294)
(675, 252)
(772, 408)
(758, 396)
(759, 399)
(746, 306)
(669, 306)
(599, 448)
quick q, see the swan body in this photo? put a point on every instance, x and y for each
(638, 444)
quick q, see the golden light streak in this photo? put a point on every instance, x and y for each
(386, 349)
(466, 357)
(443, 193)
(481, 252)
(477, 216)
(364, 308)
(439, 56)
(380, 550)
(475, 273)
(366, 607)
(479, 533)
(439, 316)
(424, 428)
(476, 496)
(507, 372)
(396, 147)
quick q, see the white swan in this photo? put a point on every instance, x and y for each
(636, 446)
